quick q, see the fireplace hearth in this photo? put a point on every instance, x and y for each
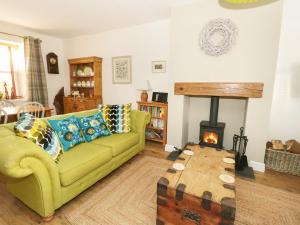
(212, 131)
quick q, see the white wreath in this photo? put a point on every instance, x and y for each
(218, 36)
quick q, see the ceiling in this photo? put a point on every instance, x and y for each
(70, 18)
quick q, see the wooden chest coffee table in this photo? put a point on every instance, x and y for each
(196, 195)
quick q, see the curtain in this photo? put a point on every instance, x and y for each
(35, 71)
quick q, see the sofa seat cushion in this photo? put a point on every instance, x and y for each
(4, 132)
(118, 142)
(83, 158)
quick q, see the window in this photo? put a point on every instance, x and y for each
(8, 70)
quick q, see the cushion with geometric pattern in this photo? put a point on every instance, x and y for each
(117, 117)
(39, 132)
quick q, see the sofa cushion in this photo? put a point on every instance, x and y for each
(82, 160)
(117, 117)
(40, 133)
(118, 142)
(93, 127)
(4, 132)
(68, 132)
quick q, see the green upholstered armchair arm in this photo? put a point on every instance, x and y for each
(139, 120)
(30, 169)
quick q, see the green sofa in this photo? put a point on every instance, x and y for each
(44, 185)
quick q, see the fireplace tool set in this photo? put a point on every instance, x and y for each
(239, 147)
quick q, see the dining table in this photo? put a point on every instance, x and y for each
(12, 112)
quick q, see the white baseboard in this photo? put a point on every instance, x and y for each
(169, 148)
(257, 166)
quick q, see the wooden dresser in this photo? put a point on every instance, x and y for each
(72, 104)
(86, 80)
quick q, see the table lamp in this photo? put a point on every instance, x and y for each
(144, 87)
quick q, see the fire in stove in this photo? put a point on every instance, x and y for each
(210, 137)
(212, 131)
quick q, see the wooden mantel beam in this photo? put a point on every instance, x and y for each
(230, 89)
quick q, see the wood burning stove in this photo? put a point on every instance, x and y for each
(212, 131)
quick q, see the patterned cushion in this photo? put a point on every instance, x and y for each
(39, 132)
(93, 127)
(117, 117)
(68, 132)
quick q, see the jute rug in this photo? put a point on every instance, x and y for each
(128, 197)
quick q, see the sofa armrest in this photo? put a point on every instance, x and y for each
(20, 161)
(139, 121)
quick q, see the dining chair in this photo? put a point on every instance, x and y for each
(6, 103)
(34, 108)
(3, 116)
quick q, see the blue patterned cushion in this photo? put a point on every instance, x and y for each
(39, 132)
(93, 127)
(68, 132)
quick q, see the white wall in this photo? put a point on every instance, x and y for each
(49, 44)
(286, 100)
(144, 43)
(252, 59)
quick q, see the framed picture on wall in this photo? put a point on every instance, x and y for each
(160, 97)
(121, 70)
(159, 66)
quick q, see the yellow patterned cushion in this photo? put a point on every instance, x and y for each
(39, 132)
(117, 117)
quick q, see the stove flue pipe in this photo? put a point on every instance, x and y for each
(214, 110)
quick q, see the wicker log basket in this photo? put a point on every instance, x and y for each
(283, 158)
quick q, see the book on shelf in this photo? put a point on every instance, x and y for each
(155, 111)
(162, 113)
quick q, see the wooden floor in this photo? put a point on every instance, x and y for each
(127, 197)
